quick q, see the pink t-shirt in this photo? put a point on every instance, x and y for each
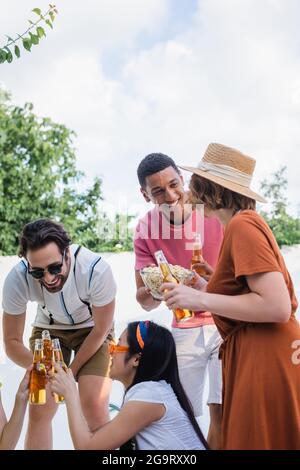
(154, 233)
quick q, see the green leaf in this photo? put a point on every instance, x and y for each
(52, 16)
(2, 56)
(34, 39)
(27, 44)
(49, 24)
(40, 32)
(9, 56)
(17, 51)
(38, 11)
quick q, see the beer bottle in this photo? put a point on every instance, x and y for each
(37, 383)
(57, 357)
(197, 255)
(180, 314)
(47, 348)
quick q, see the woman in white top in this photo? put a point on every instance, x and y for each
(156, 411)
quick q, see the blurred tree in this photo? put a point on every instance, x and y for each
(286, 228)
(116, 234)
(38, 178)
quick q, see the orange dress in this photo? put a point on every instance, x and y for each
(261, 382)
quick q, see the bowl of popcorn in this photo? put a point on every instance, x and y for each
(153, 279)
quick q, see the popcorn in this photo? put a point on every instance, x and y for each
(153, 279)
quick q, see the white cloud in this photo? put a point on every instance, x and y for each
(231, 74)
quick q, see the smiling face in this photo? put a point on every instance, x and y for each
(165, 188)
(123, 368)
(45, 258)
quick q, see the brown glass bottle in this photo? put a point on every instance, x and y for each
(47, 348)
(197, 256)
(57, 357)
(180, 314)
(37, 383)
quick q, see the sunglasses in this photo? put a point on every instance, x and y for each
(53, 269)
(115, 348)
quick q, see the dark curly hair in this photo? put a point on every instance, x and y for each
(153, 163)
(39, 233)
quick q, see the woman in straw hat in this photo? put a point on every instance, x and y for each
(252, 297)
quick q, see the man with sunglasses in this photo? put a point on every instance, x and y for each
(75, 293)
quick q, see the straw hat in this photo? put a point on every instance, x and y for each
(229, 168)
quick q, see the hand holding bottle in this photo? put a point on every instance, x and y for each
(197, 282)
(203, 269)
(62, 382)
(23, 390)
(181, 314)
(57, 359)
(198, 263)
(179, 296)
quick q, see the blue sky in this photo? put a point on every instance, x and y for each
(165, 75)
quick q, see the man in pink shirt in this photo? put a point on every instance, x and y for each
(170, 227)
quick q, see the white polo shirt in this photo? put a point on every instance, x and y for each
(91, 281)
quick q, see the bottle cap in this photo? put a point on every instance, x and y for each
(46, 334)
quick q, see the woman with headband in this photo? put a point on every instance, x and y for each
(252, 297)
(155, 410)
